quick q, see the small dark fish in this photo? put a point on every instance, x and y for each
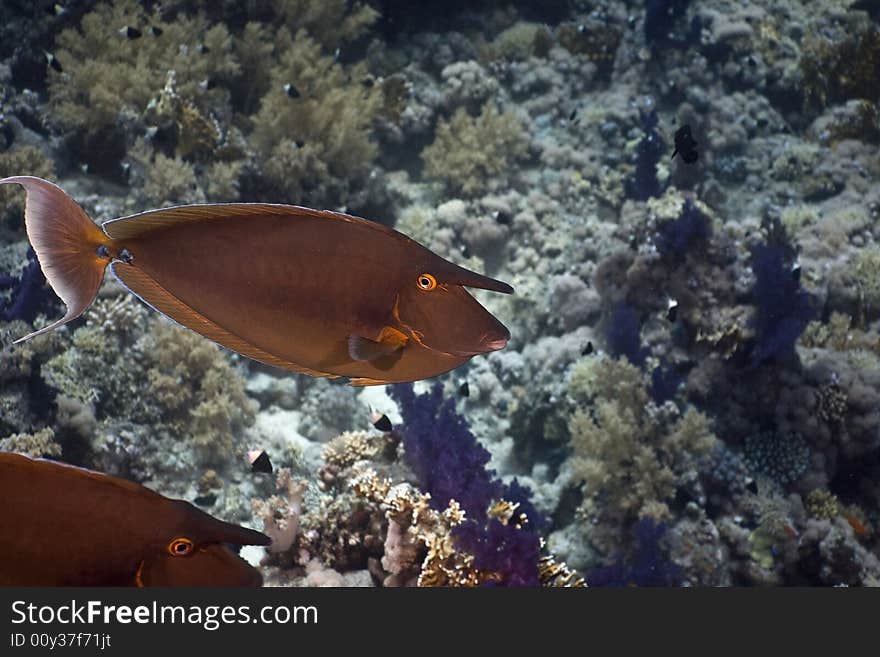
(381, 422)
(299, 143)
(321, 308)
(67, 526)
(208, 499)
(368, 82)
(202, 49)
(586, 351)
(291, 91)
(573, 115)
(259, 461)
(796, 272)
(752, 486)
(130, 32)
(464, 389)
(671, 309)
(155, 31)
(685, 145)
(502, 217)
(52, 60)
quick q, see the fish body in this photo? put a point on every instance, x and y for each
(67, 526)
(318, 292)
(686, 145)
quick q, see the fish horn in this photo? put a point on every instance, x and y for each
(210, 529)
(237, 535)
(469, 278)
(67, 245)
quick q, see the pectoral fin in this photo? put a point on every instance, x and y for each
(390, 341)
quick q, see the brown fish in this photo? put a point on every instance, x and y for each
(66, 526)
(314, 291)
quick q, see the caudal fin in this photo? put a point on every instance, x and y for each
(67, 246)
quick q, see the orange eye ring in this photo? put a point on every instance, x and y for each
(180, 547)
(426, 282)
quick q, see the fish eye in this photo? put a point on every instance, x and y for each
(180, 547)
(427, 282)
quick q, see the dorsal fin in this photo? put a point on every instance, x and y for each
(139, 224)
(166, 303)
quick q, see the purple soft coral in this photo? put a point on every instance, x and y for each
(450, 463)
(510, 553)
(443, 453)
(648, 565)
(29, 296)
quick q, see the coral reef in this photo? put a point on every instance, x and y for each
(691, 389)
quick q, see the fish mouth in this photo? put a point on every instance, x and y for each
(495, 345)
(487, 343)
(495, 340)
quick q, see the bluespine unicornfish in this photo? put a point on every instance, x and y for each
(314, 291)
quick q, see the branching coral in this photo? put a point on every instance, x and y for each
(106, 75)
(467, 152)
(313, 129)
(198, 93)
(457, 551)
(219, 407)
(352, 446)
(331, 22)
(848, 66)
(629, 455)
(167, 378)
(281, 515)
(23, 160)
(40, 443)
